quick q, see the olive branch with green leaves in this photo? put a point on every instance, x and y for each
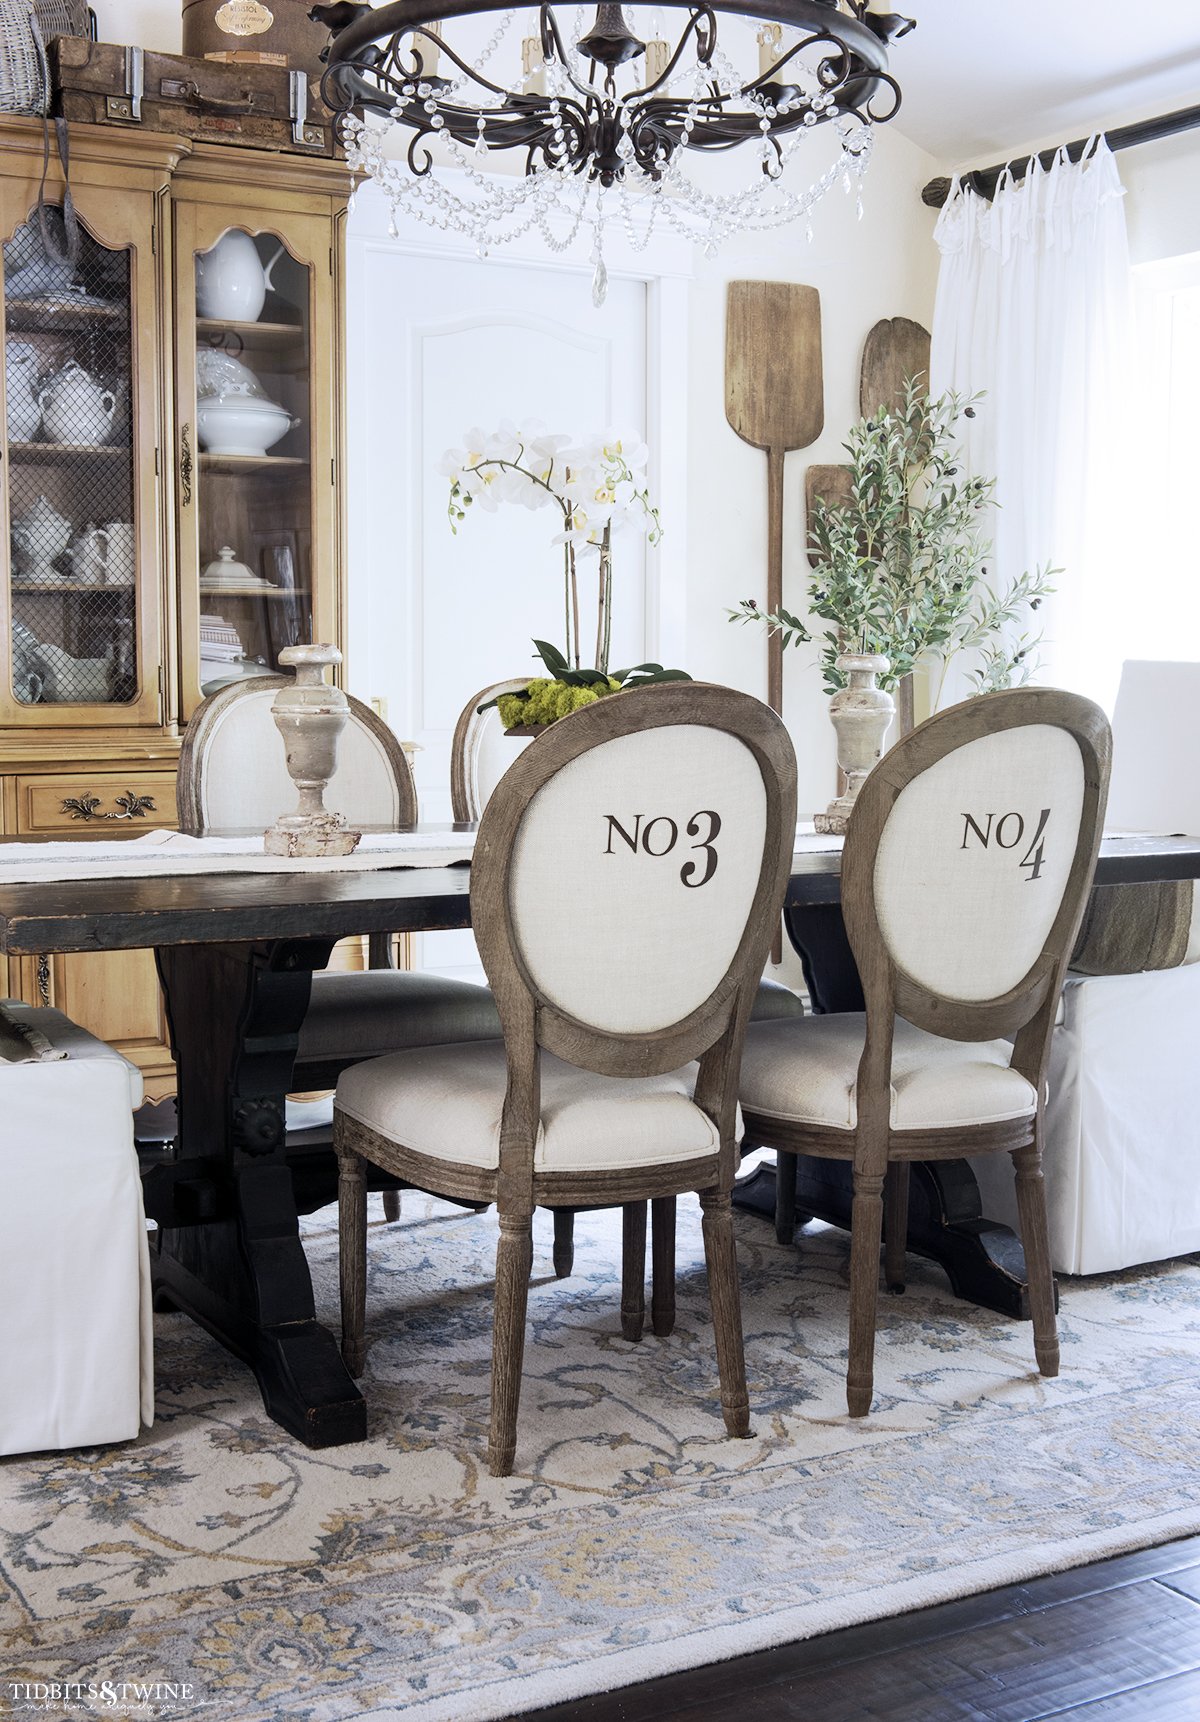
(901, 568)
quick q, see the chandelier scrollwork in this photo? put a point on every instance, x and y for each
(605, 118)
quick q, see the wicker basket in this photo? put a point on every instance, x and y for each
(25, 28)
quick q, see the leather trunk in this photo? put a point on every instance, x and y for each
(262, 107)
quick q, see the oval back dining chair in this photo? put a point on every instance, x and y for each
(965, 872)
(628, 873)
(480, 754)
(233, 775)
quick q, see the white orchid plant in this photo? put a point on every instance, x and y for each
(598, 488)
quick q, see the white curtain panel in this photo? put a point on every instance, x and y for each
(1034, 309)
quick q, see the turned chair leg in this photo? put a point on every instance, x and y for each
(895, 1233)
(785, 1196)
(720, 1258)
(866, 1227)
(514, 1257)
(633, 1269)
(1035, 1235)
(391, 1204)
(352, 1255)
(662, 1270)
(564, 1242)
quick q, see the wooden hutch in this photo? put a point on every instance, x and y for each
(117, 612)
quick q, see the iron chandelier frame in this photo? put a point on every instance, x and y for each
(381, 61)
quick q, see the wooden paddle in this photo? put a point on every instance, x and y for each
(775, 400)
(896, 351)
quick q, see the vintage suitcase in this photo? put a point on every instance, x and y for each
(263, 107)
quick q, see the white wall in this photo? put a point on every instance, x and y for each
(1162, 208)
(156, 24)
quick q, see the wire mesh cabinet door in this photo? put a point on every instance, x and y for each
(81, 581)
(257, 426)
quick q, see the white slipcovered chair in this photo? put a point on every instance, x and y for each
(1122, 1149)
(76, 1331)
(668, 813)
(964, 876)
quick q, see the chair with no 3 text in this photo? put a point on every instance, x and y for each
(628, 873)
(966, 869)
(233, 776)
(480, 753)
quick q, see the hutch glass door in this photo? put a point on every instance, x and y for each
(74, 498)
(251, 485)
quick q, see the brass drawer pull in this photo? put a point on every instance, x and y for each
(129, 806)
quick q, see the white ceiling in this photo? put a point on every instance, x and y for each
(985, 78)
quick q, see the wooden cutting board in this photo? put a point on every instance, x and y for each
(774, 400)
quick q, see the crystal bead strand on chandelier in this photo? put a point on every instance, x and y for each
(598, 136)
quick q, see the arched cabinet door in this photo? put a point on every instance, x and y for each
(81, 599)
(257, 408)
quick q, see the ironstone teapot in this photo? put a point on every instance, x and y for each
(76, 408)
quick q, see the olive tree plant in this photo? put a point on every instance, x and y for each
(901, 567)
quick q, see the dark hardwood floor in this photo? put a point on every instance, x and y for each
(1118, 1641)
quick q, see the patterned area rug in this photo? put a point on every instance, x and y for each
(267, 1583)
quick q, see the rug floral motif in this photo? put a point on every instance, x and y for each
(262, 1582)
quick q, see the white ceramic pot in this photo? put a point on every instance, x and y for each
(23, 410)
(38, 537)
(89, 556)
(241, 425)
(231, 279)
(75, 681)
(219, 375)
(120, 559)
(76, 408)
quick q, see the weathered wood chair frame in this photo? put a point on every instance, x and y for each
(882, 1154)
(465, 803)
(467, 806)
(189, 782)
(713, 1032)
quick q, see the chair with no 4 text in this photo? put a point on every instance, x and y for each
(628, 874)
(966, 869)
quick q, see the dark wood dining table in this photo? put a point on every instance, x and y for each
(236, 953)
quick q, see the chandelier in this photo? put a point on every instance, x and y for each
(606, 119)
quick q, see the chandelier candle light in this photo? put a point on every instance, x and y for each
(604, 119)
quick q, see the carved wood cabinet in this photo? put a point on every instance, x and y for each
(149, 553)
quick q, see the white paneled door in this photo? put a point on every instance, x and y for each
(438, 345)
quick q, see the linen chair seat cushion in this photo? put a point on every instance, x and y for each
(365, 1014)
(806, 1072)
(446, 1101)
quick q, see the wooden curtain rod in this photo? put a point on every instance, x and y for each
(984, 180)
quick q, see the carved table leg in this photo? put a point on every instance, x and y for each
(984, 1260)
(229, 1250)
